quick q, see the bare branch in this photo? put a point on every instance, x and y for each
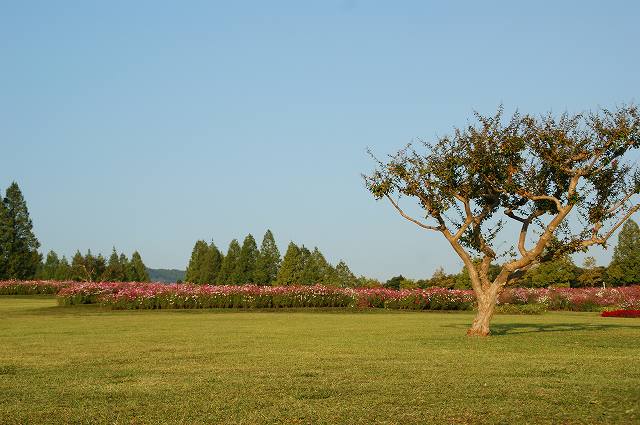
(411, 219)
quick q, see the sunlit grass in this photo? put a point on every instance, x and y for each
(89, 365)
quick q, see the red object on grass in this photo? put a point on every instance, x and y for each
(621, 313)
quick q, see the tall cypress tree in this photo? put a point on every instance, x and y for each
(268, 261)
(624, 268)
(114, 271)
(213, 264)
(196, 269)
(19, 246)
(78, 270)
(51, 264)
(344, 277)
(246, 266)
(5, 240)
(228, 272)
(63, 271)
(292, 266)
(317, 270)
(138, 269)
(126, 268)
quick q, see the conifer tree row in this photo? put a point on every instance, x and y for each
(90, 268)
(248, 264)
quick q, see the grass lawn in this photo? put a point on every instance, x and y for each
(87, 365)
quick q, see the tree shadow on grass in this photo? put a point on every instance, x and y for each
(524, 328)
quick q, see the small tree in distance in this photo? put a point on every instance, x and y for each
(532, 171)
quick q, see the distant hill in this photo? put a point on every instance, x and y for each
(166, 275)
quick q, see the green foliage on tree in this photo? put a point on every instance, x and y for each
(19, 256)
(195, 272)
(624, 268)
(247, 261)
(344, 277)
(50, 267)
(535, 171)
(394, 282)
(438, 279)
(268, 261)
(291, 268)
(63, 271)
(560, 272)
(115, 271)
(79, 271)
(316, 269)
(591, 275)
(138, 269)
(228, 271)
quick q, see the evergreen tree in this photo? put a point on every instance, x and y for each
(114, 271)
(78, 270)
(268, 261)
(63, 271)
(4, 240)
(246, 266)
(228, 271)
(560, 272)
(213, 264)
(138, 269)
(292, 266)
(195, 270)
(344, 277)
(624, 268)
(316, 269)
(126, 268)
(50, 267)
(19, 246)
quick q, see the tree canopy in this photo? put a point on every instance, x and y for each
(533, 171)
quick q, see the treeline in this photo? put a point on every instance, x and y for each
(90, 268)
(623, 270)
(247, 263)
(20, 259)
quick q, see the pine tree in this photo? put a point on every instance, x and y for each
(4, 240)
(246, 266)
(19, 244)
(50, 266)
(63, 271)
(195, 269)
(78, 270)
(268, 261)
(228, 274)
(126, 268)
(344, 277)
(138, 269)
(316, 268)
(213, 264)
(624, 268)
(114, 271)
(292, 266)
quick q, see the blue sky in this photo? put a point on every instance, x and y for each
(150, 124)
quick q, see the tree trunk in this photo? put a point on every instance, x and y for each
(486, 301)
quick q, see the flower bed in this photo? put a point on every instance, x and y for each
(621, 313)
(133, 295)
(31, 287)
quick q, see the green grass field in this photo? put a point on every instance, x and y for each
(87, 365)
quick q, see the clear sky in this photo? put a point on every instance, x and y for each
(150, 124)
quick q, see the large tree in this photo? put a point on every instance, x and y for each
(268, 261)
(228, 271)
(19, 257)
(197, 264)
(246, 265)
(139, 271)
(533, 171)
(291, 268)
(624, 268)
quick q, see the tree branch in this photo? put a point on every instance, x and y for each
(411, 219)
